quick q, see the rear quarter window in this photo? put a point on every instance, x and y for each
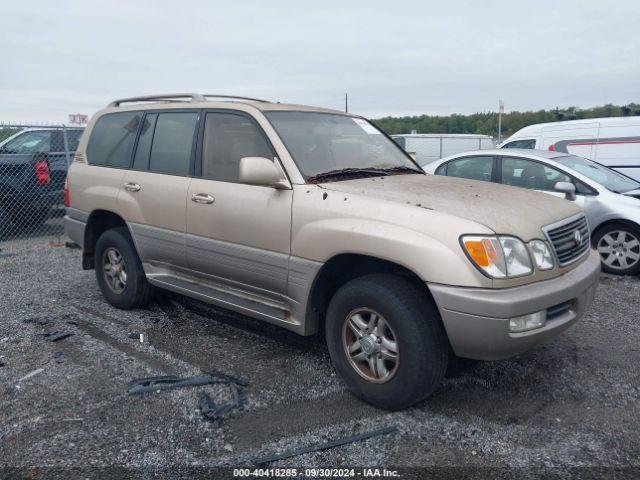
(112, 138)
(441, 170)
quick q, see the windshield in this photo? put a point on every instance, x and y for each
(612, 180)
(323, 142)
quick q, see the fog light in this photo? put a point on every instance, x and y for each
(528, 322)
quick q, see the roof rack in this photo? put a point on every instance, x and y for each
(179, 97)
(235, 97)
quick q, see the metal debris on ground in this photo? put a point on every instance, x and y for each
(57, 336)
(72, 245)
(325, 446)
(137, 336)
(209, 408)
(37, 320)
(214, 412)
(31, 374)
(170, 382)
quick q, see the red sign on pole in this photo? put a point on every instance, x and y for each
(78, 119)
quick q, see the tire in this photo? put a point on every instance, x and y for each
(619, 247)
(135, 291)
(413, 324)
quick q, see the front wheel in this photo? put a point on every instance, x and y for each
(619, 247)
(119, 270)
(386, 340)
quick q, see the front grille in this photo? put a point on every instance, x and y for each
(562, 236)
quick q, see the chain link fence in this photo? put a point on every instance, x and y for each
(34, 160)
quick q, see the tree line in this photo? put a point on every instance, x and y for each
(487, 123)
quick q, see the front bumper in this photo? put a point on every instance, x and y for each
(477, 320)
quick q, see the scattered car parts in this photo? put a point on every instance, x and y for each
(325, 446)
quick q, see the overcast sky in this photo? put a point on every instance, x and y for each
(393, 58)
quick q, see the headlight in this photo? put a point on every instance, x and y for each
(516, 256)
(498, 257)
(541, 254)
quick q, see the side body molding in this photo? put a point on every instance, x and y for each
(270, 286)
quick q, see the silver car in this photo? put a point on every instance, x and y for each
(611, 201)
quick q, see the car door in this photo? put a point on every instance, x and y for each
(153, 195)
(237, 234)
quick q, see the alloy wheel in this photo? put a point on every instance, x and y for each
(370, 345)
(114, 271)
(619, 249)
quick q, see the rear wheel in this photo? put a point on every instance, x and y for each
(619, 247)
(386, 340)
(119, 270)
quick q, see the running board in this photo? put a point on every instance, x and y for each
(225, 297)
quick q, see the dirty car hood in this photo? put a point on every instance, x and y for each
(503, 209)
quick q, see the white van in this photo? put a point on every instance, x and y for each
(614, 142)
(429, 147)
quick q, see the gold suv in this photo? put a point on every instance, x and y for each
(315, 220)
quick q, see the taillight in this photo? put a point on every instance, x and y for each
(552, 148)
(43, 174)
(67, 200)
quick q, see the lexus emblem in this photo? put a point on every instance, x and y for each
(577, 236)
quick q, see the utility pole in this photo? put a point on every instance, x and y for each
(500, 112)
(346, 102)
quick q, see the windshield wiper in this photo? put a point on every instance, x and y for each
(402, 169)
(347, 172)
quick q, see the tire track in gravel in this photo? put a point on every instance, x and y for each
(280, 420)
(99, 334)
(249, 429)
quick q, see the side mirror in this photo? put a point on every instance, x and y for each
(569, 190)
(261, 171)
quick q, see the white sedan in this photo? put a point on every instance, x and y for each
(610, 200)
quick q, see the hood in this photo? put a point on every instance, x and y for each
(501, 208)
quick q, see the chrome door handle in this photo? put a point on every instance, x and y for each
(132, 187)
(202, 198)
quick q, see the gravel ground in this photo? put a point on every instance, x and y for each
(569, 406)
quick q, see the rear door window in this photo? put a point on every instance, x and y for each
(173, 141)
(526, 144)
(473, 168)
(112, 139)
(36, 141)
